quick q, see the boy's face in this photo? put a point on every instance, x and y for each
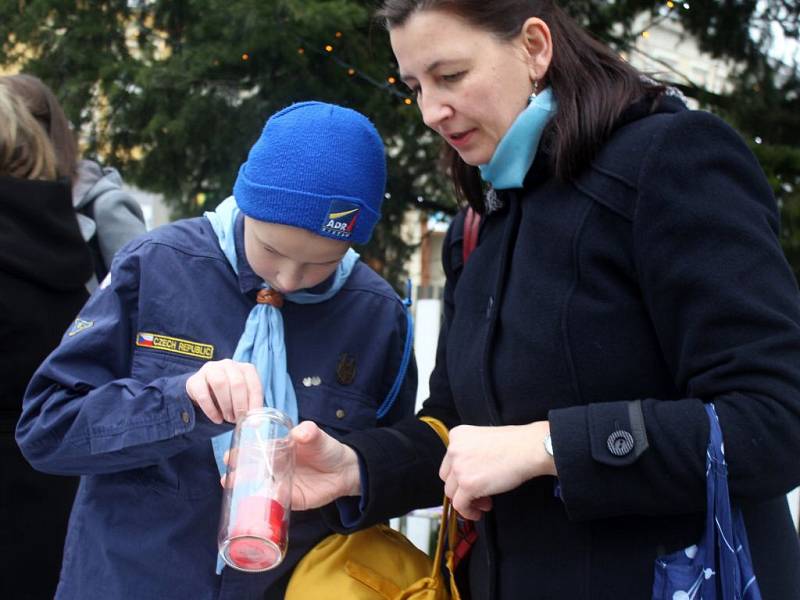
(290, 258)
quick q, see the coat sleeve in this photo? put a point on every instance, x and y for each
(84, 413)
(724, 306)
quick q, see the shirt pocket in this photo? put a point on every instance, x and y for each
(336, 410)
(148, 365)
(190, 474)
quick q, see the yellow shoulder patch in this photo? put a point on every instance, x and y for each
(79, 325)
(175, 345)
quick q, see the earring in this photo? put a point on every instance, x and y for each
(534, 92)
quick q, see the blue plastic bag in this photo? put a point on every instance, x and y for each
(719, 567)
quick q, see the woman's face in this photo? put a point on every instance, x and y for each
(290, 258)
(470, 85)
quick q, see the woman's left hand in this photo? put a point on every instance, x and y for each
(484, 461)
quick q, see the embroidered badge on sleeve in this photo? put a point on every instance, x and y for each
(175, 345)
(79, 325)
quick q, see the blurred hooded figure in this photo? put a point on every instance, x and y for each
(108, 215)
(44, 264)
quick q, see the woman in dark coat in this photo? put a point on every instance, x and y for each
(628, 271)
(44, 264)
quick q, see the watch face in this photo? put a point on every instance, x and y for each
(548, 444)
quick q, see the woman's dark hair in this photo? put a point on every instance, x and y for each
(42, 104)
(591, 83)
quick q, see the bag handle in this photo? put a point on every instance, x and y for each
(448, 523)
(439, 427)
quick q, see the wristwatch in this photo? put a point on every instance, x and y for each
(548, 445)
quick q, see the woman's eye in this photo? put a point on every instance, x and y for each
(451, 77)
(413, 91)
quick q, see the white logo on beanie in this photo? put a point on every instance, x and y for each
(341, 219)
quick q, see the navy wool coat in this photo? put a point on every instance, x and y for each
(614, 306)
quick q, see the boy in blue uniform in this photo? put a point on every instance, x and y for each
(186, 334)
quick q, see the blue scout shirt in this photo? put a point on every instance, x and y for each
(110, 404)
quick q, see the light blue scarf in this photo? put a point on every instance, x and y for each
(261, 342)
(513, 157)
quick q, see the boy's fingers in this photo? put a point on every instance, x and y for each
(237, 387)
(255, 393)
(198, 392)
(217, 378)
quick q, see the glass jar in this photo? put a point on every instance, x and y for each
(257, 493)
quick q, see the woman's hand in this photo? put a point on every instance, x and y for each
(225, 390)
(325, 468)
(484, 461)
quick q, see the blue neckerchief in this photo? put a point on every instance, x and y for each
(514, 154)
(262, 342)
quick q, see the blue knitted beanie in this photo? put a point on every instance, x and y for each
(316, 166)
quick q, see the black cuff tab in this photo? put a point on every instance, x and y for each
(617, 432)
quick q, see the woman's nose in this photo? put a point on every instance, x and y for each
(434, 110)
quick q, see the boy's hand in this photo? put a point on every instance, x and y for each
(225, 390)
(325, 469)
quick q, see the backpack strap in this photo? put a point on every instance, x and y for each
(472, 223)
(388, 402)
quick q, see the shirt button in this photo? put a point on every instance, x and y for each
(340, 413)
(620, 443)
(185, 417)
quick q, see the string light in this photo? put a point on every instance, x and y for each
(245, 56)
(388, 85)
(670, 4)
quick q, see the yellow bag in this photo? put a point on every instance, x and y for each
(378, 563)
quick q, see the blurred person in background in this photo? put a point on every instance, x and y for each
(44, 264)
(108, 215)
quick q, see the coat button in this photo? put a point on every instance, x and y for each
(620, 443)
(185, 417)
(340, 413)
